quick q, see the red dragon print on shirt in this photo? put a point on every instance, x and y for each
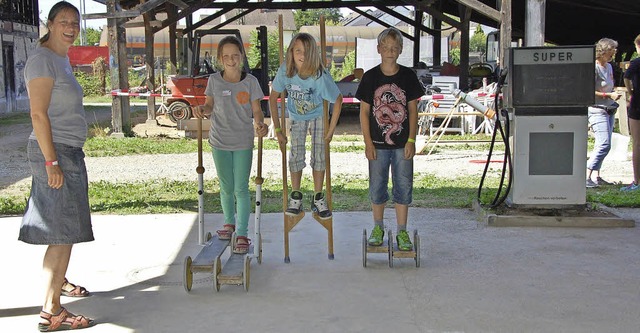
(389, 109)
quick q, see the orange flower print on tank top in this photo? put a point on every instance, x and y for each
(242, 97)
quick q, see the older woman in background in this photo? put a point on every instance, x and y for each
(602, 113)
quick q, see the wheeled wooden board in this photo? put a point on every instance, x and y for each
(208, 260)
(237, 269)
(391, 248)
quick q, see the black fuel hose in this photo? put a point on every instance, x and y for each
(507, 166)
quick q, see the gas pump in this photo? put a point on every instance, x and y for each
(546, 97)
(547, 94)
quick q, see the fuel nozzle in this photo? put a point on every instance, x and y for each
(474, 103)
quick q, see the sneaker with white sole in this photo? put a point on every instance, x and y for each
(319, 206)
(630, 188)
(591, 183)
(295, 203)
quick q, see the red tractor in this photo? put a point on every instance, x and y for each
(188, 90)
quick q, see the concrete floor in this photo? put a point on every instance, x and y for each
(473, 278)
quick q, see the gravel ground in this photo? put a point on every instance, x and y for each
(15, 173)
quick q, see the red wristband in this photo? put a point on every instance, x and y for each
(51, 163)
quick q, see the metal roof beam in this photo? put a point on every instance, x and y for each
(379, 21)
(407, 20)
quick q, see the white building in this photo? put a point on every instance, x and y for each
(18, 36)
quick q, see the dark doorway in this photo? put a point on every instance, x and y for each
(9, 76)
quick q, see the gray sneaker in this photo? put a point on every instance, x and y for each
(591, 183)
(295, 203)
(601, 181)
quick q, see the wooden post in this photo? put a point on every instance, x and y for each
(150, 65)
(465, 15)
(437, 41)
(534, 23)
(172, 13)
(416, 37)
(505, 30)
(120, 114)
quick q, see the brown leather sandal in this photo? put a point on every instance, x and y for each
(75, 291)
(242, 248)
(63, 321)
(226, 231)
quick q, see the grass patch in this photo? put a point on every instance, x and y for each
(109, 99)
(611, 196)
(15, 118)
(161, 196)
(101, 145)
(350, 193)
(108, 146)
(13, 205)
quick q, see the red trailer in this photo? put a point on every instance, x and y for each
(85, 55)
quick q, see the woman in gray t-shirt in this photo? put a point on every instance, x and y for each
(57, 212)
(232, 98)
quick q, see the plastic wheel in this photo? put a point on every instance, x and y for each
(217, 268)
(364, 248)
(187, 278)
(208, 236)
(179, 111)
(416, 247)
(246, 275)
(390, 245)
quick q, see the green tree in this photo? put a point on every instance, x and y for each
(332, 16)
(253, 54)
(348, 65)
(478, 42)
(92, 35)
(454, 56)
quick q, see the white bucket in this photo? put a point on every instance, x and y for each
(619, 147)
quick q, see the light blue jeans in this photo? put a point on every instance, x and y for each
(601, 124)
(401, 177)
(233, 169)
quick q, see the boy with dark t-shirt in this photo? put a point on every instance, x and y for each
(388, 96)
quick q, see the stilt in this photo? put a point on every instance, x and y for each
(326, 223)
